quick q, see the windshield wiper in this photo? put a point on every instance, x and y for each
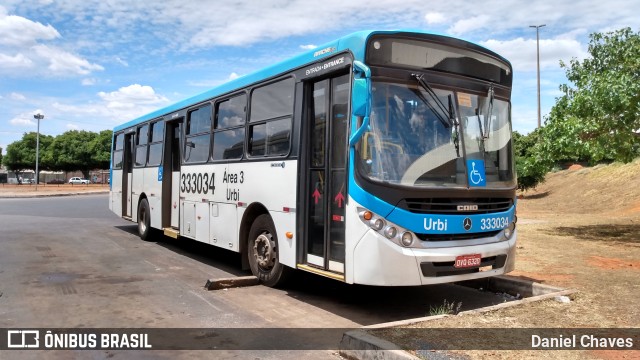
(446, 116)
(441, 112)
(485, 128)
(487, 121)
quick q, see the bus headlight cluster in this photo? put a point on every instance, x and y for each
(391, 231)
(509, 231)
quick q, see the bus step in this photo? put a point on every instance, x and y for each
(329, 274)
(171, 232)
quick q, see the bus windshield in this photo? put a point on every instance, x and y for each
(409, 144)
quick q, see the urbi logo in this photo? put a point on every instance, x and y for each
(476, 174)
(437, 225)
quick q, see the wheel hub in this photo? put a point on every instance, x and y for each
(142, 220)
(264, 251)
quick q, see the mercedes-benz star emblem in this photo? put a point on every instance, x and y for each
(466, 223)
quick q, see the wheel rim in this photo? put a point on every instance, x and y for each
(264, 251)
(142, 220)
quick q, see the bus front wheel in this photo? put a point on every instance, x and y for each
(144, 219)
(262, 251)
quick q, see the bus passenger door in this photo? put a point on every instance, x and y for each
(171, 176)
(327, 107)
(127, 173)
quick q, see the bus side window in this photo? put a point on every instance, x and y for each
(196, 149)
(271, 115)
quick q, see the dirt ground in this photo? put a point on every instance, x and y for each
(580, 229)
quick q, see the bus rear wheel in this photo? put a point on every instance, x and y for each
(144, 219)
(262, 251)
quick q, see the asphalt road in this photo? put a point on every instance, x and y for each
(68, 262)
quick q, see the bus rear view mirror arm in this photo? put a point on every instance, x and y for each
(361, 98)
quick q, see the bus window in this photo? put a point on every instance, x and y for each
(117, 151)
(273, 100)
(155, 148)
(271, 110)
(142, 139)
(119, 141)
(196, 147)
(228, 136)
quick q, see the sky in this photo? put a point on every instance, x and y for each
(92, 65)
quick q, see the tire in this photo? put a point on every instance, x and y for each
(262, 251)
(144, 219)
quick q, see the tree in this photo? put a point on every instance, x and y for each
(599, 117)
(100, 149)
(0, 156)
(530, 166)
(21, 154)
(72, 151)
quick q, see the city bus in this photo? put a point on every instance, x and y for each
(381, 158)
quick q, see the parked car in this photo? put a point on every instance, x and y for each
(77, 180)
(56, 181)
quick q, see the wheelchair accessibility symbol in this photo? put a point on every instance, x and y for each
(476, 174)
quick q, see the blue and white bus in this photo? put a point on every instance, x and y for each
(381, 158)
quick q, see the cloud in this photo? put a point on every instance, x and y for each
(522, 52)
(467, 25)
(180, 24)
(17, 96)
(19, 31)
(73, 126)
(433, 18)
(62, 62)
(18, 61)
(131, 96)
(22, 48)
(126, 103)
(122, 62)
(89, 81)
(22, 120)
(213, 83)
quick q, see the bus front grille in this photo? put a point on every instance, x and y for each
(456, 206)
(456, 237)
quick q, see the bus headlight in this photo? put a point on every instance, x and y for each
(406, 239)
(390, 232)
(397, 234)
(509, 231)
(377, 224)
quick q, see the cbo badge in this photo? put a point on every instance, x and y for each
(476, 174)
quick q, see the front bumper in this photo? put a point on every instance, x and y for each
(378, 261)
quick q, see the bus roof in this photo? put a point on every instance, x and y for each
(355, 42)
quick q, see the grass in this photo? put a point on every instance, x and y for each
(447, 308)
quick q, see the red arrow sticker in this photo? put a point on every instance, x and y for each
(316, 195)
(339, 199)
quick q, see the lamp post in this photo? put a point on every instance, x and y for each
(538, 55)
(38, 117)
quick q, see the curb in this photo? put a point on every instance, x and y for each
(360, 345)
(27, 196)
(233, 282)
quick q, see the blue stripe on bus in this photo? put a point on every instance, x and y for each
(451, 224)
(354, 42)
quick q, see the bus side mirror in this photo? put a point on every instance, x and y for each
(360, 99)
